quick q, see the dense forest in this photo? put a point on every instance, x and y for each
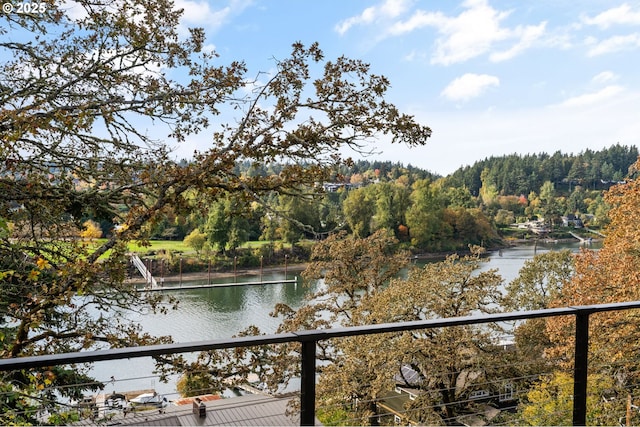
(511, 174)
(515, 174)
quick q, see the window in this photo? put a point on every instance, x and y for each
(507, 393)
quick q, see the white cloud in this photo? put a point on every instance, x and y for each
(593, 98)
(604, 77)
(195, 12)
(562, 39)
(418, 20)
(200, 12)
(622, 14)
(74, 10)
(527, 35)
(120, 61)
(613, 44)
(469, 86)
(475, 31)
(388, 10)
(209, 48)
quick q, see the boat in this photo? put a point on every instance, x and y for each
(148, 400)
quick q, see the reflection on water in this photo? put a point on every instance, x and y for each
(214, 313)
(509, 261)
(221, 312)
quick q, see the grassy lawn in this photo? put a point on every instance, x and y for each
(155, 245)
(179, 246)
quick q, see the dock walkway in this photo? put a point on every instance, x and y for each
(142, 268)
(583, 241)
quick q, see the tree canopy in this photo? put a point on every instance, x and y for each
(363, 283)
(604, 276)
(608, 275)
(93, 98)
(517, 174)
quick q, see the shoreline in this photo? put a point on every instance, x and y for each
(204, 275)
(255, 271)
(299, 267)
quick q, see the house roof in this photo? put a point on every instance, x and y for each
(248, 410)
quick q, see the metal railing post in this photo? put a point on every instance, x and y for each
(580, 369)
(308, 384)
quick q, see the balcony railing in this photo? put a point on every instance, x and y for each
(309, 339)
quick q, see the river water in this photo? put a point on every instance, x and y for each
(214, 313)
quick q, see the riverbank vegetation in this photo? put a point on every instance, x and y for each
(474, 205)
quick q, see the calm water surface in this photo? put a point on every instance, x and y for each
(215, 313)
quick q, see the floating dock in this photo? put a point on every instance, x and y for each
(162, 288)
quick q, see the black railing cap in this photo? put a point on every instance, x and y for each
(299, 336)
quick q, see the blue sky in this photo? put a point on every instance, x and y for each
(490, 77)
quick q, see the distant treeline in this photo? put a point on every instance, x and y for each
(512, 174)
(383, 170)
(522, 174)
